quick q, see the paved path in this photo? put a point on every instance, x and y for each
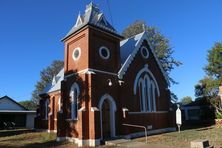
(132, 144)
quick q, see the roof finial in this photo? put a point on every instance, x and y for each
(144, 27)
(91, 6)
(54, 80)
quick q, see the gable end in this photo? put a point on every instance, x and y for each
(131, 57)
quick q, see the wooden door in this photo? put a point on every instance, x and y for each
(106, 120)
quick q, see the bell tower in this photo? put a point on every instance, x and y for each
(91, 64)
(92, 43)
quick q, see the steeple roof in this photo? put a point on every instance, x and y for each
(94, 17)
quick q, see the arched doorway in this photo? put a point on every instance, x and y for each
(107, 107)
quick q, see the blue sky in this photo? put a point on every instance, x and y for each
(31, 30)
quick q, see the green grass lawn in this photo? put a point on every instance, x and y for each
(27, 138)
(182, 139)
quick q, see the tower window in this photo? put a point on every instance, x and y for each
(144, 52)
(76, 54)
(104, 53)
(74, 94)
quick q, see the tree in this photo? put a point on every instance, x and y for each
(186, 100)
(29, 104)
(208, 87)
(214, 58)
(160, 44)
(46, 76)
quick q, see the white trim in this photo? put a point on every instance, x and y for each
(101, 55)
(84, 71)
(93, 109)
(147, 89)
(147, 51)
(82, 109)
(156, 112)
(125, 109)
(150, 132)
(51, 131)
(112, 114)
(145, 69)
(79, 20)
(80, 142)
(73, 53)
(131, 57)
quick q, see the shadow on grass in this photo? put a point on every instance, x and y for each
(51, 143)
(47, 144)
(14, 132)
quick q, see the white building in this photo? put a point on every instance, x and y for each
(14, 114)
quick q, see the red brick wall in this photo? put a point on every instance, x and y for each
(81, 40)
(132, 102)
(93, 87)
(97, 40)
(51, 122)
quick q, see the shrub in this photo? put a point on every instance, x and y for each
(218, 116)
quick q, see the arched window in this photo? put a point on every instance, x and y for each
(104, 52)
(47, 109)
(145, 86)
(74, 94)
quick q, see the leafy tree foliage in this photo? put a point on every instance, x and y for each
(46, 76)
(159, 43)
(214, 58)
(209, 86)
(29, 104)
(186, 100)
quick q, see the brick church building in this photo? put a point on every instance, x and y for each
(107, 81)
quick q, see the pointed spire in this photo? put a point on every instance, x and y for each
(144, 27)
(92, 16)
(92, 6)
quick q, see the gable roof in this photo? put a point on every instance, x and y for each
(92, 16)
(128, 45)
(128, 50)
(55, 84)
(10, 99)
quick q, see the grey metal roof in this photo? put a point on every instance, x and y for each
(55, 84)
(92, 16)
(17, 111)
(128, 45)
